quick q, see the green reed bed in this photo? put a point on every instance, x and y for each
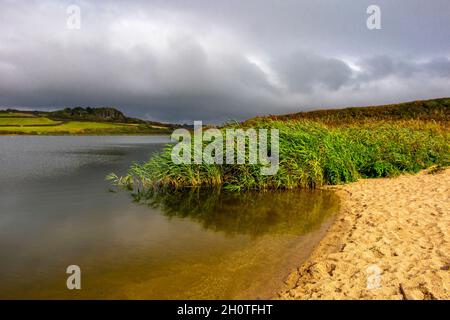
(312, 154)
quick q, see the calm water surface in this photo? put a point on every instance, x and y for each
(56, 209)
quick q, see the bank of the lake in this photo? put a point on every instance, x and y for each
(395, 226)
(399, 227)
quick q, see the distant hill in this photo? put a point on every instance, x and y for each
(90, 114)
(435, 109)
(103, 114)
(78, 121)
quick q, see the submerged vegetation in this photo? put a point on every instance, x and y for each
(314, 153)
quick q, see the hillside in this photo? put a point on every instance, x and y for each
(90, 114)
(437, 110)
(77, 121)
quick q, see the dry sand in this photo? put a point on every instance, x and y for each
(398, 228)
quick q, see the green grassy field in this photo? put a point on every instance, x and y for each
(316, 152)
(19, 123)
(26, 121)
(14, 114)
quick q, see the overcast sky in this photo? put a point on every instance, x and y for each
(217, 60)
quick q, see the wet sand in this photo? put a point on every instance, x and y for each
(391, 240)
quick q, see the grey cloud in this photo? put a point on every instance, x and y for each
(439, 66)
(220, 60)
(303, 71)
(380, 67)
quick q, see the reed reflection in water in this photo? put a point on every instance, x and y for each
(253, 213)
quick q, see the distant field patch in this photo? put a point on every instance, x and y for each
(15, 115)
(26, 121)
(46, 126)
(65, 123)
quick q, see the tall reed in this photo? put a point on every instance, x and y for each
(312, 154)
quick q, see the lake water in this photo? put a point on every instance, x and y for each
(56, 210)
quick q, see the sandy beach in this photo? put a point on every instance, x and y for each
(390, 240)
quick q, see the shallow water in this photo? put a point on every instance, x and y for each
(56, 210)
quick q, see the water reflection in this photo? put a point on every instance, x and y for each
(251, 213)
(55, 211)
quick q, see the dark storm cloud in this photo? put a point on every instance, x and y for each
(218, 60)
(303, 71)
(381, 67)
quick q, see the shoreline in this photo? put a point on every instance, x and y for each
(392, 234)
